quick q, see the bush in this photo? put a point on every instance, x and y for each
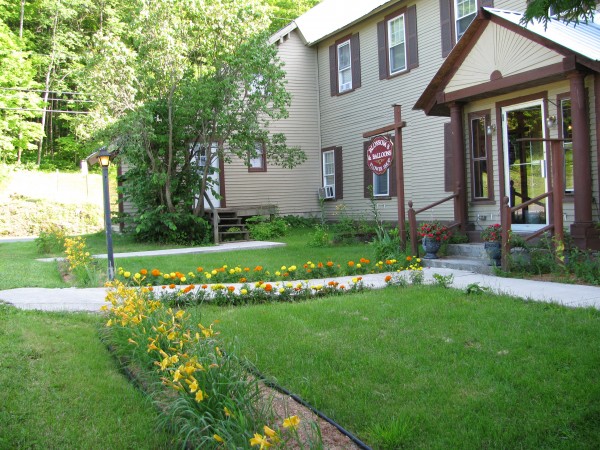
(299, 221)
(51, 239)
(160, 226)
(386, 244)
(263, 228)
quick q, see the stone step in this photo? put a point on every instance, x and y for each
(471, 250)
(476, 265)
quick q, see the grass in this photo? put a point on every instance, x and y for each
(62, 389)
(19, 267)
(295, 252)
(430, 367)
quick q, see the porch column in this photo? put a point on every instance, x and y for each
(458, 150)
(581, 161)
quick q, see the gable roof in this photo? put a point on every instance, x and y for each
(572, 44)
(331, 16)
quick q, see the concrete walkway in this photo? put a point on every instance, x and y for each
(73, 299)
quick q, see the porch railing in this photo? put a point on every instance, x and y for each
(555, 196)
(412, 221)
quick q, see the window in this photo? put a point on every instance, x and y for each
(481, 164)
(332, 173)
(344, 65)
(396, 45)
(397, 42)
(455, 18)
(566, 128)
(381, 184)
(464, 11)
(258, 161)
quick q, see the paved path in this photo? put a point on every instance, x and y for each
(73, 299)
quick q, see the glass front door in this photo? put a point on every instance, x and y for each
(525, 164)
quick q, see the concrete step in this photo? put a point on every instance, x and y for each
(471, 250)
(476, 265)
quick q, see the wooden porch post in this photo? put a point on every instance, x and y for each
(458, 151)
(581, 161)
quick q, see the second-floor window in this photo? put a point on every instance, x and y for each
(257, 162)
(344, 65)
(397, 42)
(464, 12)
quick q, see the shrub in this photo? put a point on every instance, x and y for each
(158, 225)
(263, 228)
(51, 239)
(321, 237)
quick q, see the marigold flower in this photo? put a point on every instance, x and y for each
(329, 263)
(231, 288)
(127, 274)
(172, 286)
(291, 422)
(204, 286)
(388, 278)
(243, 280)
(409, 258)
(208, 276)
(199, 269)
(268, 287)
(144, 272)
(243, 291)
(350, 263)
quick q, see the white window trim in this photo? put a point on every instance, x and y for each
(389, 44)
(347, 86)
(329, 187)
(259, 158)
(457, 18)
(387, 194)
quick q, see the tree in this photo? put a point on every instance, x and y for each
(565, 10)
(284, 11)
(19, 105)
(204, 85)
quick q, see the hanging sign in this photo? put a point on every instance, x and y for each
(379, 154)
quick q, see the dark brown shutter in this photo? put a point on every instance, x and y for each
(486, 3)
(392, 180)
(446, 26)
(382, 51)
(355, 53)
(411, 37)
(339, 173)
(448, 159)
(333, 70)
(367, 174)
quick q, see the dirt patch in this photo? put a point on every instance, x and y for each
(285, 406)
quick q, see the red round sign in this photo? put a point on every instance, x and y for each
(379, 154)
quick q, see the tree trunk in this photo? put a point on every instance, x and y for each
(168, 193)
(21, 19)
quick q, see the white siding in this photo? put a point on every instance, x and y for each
(292, 191)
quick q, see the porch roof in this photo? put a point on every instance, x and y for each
(578, 45)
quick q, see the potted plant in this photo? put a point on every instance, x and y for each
(433, 235)
(492, 238)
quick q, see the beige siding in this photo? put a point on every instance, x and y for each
(293, 191)
(499, 49)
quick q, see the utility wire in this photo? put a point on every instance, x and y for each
(45, 110)
(42, 90)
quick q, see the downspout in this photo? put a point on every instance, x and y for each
(319, 116)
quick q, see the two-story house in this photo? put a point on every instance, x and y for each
(480, 93)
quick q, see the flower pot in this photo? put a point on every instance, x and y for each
(431, 247)
(494, 252)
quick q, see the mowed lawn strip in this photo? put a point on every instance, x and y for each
(427, 367)
(62, 389)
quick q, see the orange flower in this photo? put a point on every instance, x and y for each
(163, 287)
(258, 268)
(364, 261)
(150, 288)
(155, 272)
(320, 265)
(199, 269)
(359, 278)
(246, 269)
(231, 288)
(286, 274)
(342, 286)
(409, 258)
(144, 272)
(268, 287)
(350, 263)
(388, 278)
(172, 286)
(243, 280)
(204, 286)
(329, 264)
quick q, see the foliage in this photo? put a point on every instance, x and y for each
(299, 221)
(80, 262)
(444, 281)
(264, 228)
(476, 289)
(321, 237)
(211, 401)
(160, 226)
(492, 233)
(435, 231)
(51, 238)
(566, 10)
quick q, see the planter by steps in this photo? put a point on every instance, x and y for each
(431, 247)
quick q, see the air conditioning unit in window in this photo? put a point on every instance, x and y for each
(326, 192)
(345, 86)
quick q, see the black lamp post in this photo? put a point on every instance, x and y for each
(104, 159)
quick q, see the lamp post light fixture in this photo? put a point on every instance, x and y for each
(104, 160)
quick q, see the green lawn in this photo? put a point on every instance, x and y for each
(62, 389)
(424, 367)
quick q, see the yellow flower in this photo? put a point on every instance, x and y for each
(109, 323)
(127, 274)
(199, 396)
(137, 276)
(166, 276)
(208, 276)
(214, 272)
(359, 265)
(291, 422)
(261, 440)
(272, 434)
(183, 279)
(194, 386)
(243, 291)
(227, 412)
(278, 273)
(218, 438)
